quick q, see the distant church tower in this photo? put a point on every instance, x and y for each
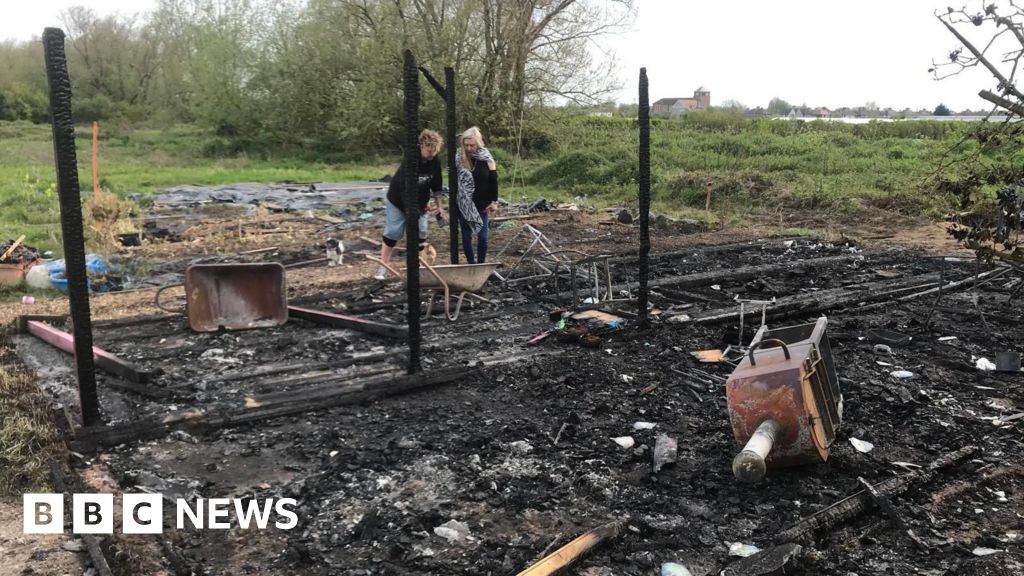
(703, 97)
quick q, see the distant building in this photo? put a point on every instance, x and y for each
(675, 106)
(822, 113)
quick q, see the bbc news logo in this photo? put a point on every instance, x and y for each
(144, 513)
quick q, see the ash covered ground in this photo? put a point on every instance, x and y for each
(519, 453)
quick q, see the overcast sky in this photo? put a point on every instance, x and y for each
(819, 52)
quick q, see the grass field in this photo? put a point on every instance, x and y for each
(132, 161)
(748, 165)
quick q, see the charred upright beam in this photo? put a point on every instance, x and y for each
(453, 171)
(447, 92)
(433, 82)
(644, 118)
(412, 208)
(71, 218)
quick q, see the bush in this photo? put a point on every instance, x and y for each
(571, 169)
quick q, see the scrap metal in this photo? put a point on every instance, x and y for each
(785, 408)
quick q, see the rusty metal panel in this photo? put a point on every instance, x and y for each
(793, 384)
(235, 296)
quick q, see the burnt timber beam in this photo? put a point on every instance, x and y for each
(350, 322)
(350, 392)
(879, 293)
(104, 360)
(733, 275)
(66, 164)
(861, 501)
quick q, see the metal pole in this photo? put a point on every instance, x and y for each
(412, 208)
(71, 219)
(644, 118)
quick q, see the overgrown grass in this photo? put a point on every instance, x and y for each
(748, 165)
(755, 164)
(28, 438)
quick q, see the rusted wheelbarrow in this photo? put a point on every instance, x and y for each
(233, 296)
(462, 278)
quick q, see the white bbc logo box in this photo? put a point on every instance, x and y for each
(92, 513)
(144, 513)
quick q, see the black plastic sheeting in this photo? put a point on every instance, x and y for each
(278, 196)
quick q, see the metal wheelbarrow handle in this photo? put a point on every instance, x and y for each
(159, 304)
(440, 280)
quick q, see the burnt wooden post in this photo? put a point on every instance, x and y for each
(453, 170)
(447, 92)
(412, 208)
(69, 193)
(644, 118)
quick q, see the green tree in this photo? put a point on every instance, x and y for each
(778, 107)
(941, 110)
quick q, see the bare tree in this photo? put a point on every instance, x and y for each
(990, 37)
(539, 50)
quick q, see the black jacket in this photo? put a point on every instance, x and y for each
(429, 181)
(485, 181)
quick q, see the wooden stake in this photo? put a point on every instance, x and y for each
(573, 551)
(95, 157)
(13, 247)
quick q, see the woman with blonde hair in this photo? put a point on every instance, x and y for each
(428, 180)
(478, 193)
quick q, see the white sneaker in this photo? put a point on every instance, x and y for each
(381, 273)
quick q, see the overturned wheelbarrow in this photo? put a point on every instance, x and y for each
(462, 278)
(233, 296)
(784, 400)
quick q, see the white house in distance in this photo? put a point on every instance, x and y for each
(675, 106)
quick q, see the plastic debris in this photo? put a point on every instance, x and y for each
(982, 551)
(716, 287)
(643, 425)
(627, 378)
(906, 465)
(742, 550)
(453, 531)
(673, 569)
(902, 374)
(679, 318)
(38, 276)
(27, 299)
(626, 442)
(520, 447)
(862, 446)
(985, 365)
(74, 545)
(882, 349)
(947, 338)
(665, 451)
(712, 356)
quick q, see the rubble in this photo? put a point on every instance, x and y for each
(503, 466)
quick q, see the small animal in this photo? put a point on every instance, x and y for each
(335, 252)
(429, 253)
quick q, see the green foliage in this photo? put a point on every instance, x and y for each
(758, 164)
